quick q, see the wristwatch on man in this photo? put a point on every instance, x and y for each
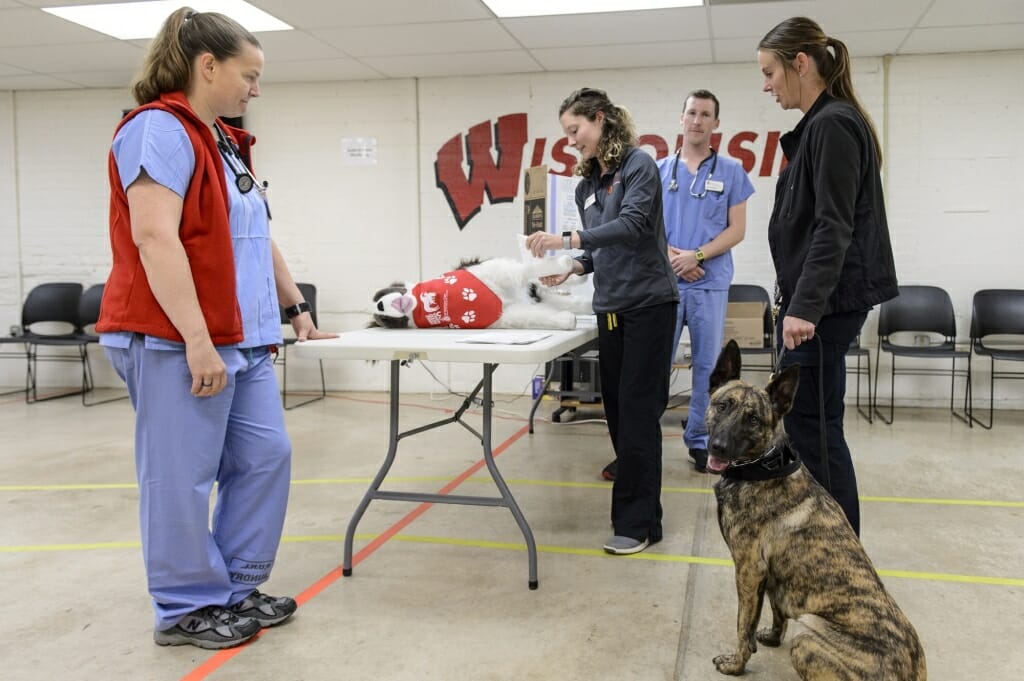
(699, 255)
(297, 309)
(567, 240)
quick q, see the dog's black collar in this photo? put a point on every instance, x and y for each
(778, 462)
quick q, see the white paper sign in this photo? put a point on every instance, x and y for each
(359, 151)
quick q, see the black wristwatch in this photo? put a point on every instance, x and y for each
(297, 309)
(567, 240)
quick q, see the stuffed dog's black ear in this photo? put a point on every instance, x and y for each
(728, 366)
(781, 389)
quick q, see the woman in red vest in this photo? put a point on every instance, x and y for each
(189, 320)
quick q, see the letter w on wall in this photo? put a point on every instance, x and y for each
(500, 179)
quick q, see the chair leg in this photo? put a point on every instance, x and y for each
(952, 390)
(88, 385)
(991, 398)
(892, 390)
(284, 384)
(865, 413)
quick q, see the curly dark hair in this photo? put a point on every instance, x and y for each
(618, 133)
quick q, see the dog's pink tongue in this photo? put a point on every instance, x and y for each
(717, 465)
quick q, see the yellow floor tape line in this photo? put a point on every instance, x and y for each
(520, 482)
(511, 546)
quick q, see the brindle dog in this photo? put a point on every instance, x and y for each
(790, 539)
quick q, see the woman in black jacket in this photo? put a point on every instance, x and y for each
(828, 236)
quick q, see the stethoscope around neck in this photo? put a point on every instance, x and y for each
(673, 185)
(244, 178)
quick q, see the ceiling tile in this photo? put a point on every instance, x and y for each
(35, 82)
(627, 56)
(469, 64)
(279, 46)
(98, 79)
(317, 70)
(959, 13)
(610, 28)
(27, 26)
(409, 39)
(327, 14)
(965, 39)
(67, 58)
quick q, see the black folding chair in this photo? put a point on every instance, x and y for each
(919, 311)
(997, 331)
(309, 294)
(49, 320)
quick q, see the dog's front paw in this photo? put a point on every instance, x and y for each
(770, 637)
(732, 664)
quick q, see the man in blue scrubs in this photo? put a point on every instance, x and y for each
(705, 205)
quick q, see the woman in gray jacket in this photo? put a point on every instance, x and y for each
(635, 299)
(829, 238)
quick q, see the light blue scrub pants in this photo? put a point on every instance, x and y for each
(703, 313)
(183, 444)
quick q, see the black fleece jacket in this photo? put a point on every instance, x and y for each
(828, 233)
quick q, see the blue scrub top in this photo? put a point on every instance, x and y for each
(157, 141)
(691, 222)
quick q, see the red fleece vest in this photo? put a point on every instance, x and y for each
(128, 303)
(456, 300)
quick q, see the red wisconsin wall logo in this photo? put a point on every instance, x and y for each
(496, 176)
(493, 154)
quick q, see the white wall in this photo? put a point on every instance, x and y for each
(949, 122)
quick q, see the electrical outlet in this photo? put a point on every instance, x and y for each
(15, 330)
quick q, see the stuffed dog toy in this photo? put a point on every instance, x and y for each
(497, 293)
(790, 541)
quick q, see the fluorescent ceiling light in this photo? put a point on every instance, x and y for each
(537, 8)
(138, 20)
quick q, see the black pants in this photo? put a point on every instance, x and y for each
(635, 347)
(836, 332)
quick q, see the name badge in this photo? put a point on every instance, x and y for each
(716, 186)
(589, 202)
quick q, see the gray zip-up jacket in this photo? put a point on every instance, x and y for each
(623, 236)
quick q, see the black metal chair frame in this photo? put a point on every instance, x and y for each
(752, 293)
(55, 302)
(88, 314)
(924, 310)
(996, 312)
(309, 294)
(859, 352)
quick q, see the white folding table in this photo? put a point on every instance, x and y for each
(401, 346)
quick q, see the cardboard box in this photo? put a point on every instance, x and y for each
(744, 323)
(535, 198)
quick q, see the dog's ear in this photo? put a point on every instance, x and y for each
(781, 389)
(728, 366)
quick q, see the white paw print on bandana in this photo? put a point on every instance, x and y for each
(451, 279)
(468, 317)
(468, 294)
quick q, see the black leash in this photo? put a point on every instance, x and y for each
(823, 437)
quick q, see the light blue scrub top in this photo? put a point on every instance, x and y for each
(691, 222)
(157, 141)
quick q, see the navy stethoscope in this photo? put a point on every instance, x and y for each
(674, 185)
(244, 178)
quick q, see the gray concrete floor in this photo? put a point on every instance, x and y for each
(446, 597)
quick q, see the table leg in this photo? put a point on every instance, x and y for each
(506, 499)
(350, 533)
(506, 494)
